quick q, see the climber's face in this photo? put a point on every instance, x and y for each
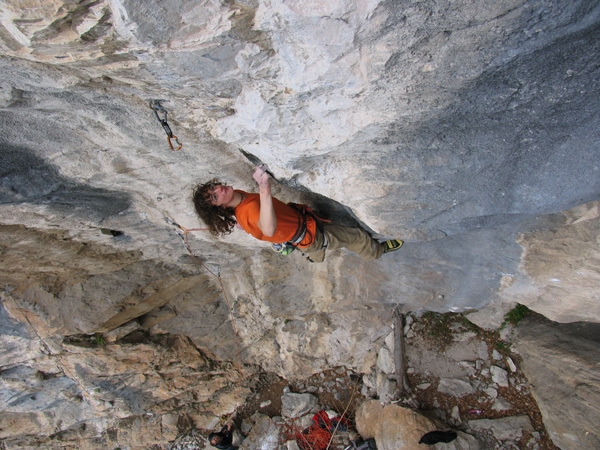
(220, 195)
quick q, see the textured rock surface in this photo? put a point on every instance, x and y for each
(469, 129)
(563, 267)
(561, 361)
(106, 396)
(506, 428)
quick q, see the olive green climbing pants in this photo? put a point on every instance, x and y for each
(354, 239)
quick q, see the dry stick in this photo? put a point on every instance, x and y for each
(339, 421)
(403, 387)
(296, 432)
(305, 439)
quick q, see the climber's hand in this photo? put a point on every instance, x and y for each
(261, 175)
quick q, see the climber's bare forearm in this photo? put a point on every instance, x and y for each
(267, 221)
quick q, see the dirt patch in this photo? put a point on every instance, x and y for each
(337, 389)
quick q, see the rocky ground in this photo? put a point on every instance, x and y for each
(494, 387)
(459, 375)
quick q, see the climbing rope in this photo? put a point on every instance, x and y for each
(183, 232)
(158, 108)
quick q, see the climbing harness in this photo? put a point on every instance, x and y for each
(303, 211)
(157, 107)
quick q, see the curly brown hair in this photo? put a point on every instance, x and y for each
(219, 219)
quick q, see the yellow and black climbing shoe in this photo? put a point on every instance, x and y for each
(391, 245)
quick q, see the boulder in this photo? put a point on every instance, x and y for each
(385, 361)
(392, 426)
(264, 434)
(560, 263)
(561, 361)
(455, 387)
(502, 429)
(296, 405)
(499, 376)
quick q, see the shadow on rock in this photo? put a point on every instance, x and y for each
(27, 178)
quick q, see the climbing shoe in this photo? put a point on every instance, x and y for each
(391, 245)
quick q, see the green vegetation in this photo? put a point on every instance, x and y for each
(468, 325)
(515, 315)
(440, 328)
(501, 345)
(99, 341)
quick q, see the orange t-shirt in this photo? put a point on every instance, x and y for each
(247, 214)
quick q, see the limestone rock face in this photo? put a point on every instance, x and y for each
(444, 123)
(468, 129)
(562, 264)
(113, 395)
(561, 361)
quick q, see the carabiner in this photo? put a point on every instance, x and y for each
(157, 107)
(176, 140)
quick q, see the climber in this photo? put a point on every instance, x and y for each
(223, 439)
(285, 226)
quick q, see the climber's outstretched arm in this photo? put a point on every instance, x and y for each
(267, 221)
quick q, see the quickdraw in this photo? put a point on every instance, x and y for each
(157, 107)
